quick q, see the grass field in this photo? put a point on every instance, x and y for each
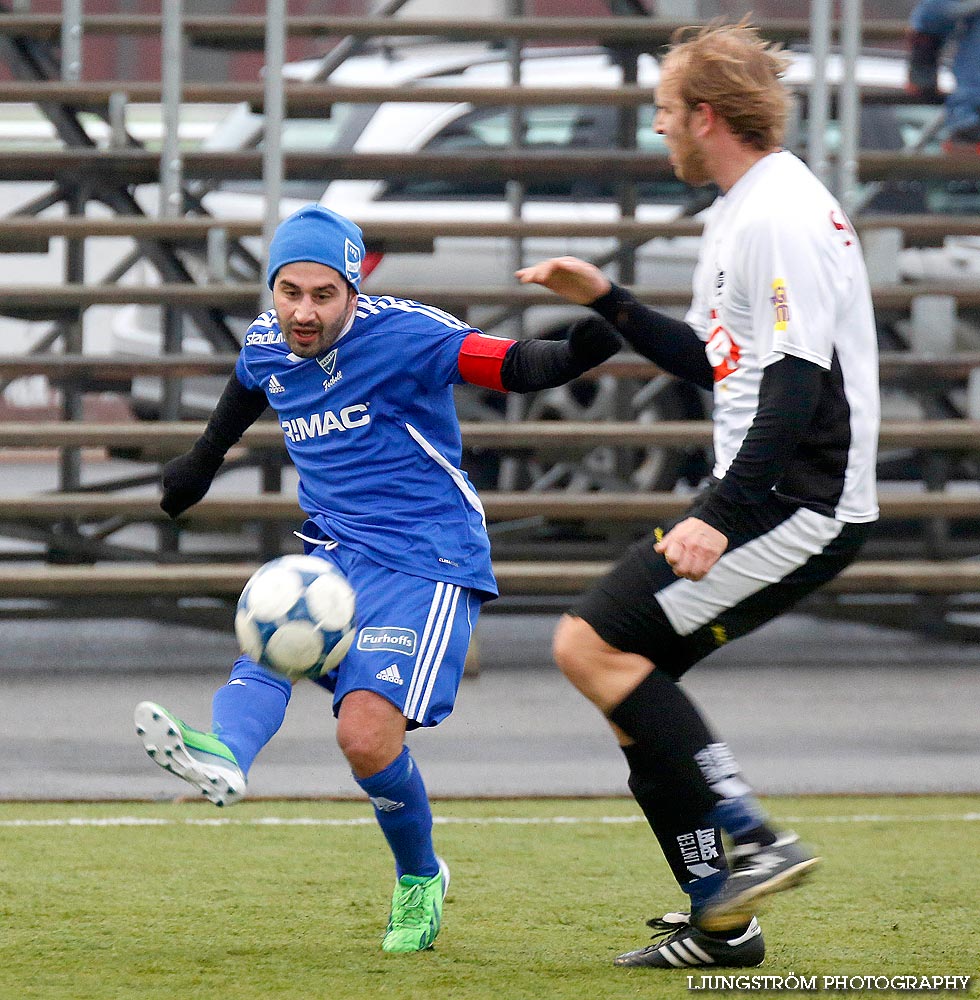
(288, 899)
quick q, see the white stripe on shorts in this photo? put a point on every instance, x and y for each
(432, 649)
(689, 604)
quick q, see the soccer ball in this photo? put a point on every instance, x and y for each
(296, 616)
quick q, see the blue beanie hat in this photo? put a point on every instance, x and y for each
(316, 234)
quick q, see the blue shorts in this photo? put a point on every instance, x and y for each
(411, 640)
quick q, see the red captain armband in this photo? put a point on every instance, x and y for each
(481, 358)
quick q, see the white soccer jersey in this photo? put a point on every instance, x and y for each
(781, 273)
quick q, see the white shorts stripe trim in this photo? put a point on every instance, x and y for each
(426, 632)
(438, 629)
(425, 664)
(690, 604)
(440, 656)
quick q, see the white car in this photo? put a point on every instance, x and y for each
(406, 127)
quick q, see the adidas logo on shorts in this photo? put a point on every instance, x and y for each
(390, 674)
(275, 385)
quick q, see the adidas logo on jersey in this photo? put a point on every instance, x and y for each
(390, 674)
(275, 385)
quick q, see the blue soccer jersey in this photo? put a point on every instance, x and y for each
(371, 427)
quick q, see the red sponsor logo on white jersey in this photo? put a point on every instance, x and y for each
(843, 225)
(722, 351)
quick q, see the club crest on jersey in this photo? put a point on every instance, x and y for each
(329, 366)
(352, 260)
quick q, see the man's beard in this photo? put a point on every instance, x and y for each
(325, 337)
(690, 166)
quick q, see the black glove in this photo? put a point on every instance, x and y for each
(531, 365)
(592, 340)
(188, 477)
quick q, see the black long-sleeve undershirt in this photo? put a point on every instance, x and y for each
(789, 394)
(670, 343)
(788, 397)
(236, 410)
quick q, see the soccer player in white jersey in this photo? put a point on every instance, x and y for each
(781, 330)
(363, 389)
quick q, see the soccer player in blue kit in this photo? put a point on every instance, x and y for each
(363, 389)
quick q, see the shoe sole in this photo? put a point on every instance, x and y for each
(444, 868)
(741, 908)
(165, 745)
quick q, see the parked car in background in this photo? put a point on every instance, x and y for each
(456, 261)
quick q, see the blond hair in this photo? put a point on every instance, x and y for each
(735, 71)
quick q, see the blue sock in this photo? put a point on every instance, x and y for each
(738, 815)
(401, 806)
(702, 888)
(248, 711)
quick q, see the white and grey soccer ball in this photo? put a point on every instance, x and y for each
(296, 616)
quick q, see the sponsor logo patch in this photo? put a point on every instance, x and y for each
(321, 424)
(780, 304)
(723, 353)
(388, 639)
(252, 339)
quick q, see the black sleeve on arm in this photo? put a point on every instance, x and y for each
(788, 398)
(187, 478)
(530, 365)
(236, 411)
(670, 343)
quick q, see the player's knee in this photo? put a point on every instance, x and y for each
(604, 674)
(366, 751)
(367, 736)
(573, 649)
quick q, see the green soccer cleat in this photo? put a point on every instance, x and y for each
(201, 759)
(416, 911)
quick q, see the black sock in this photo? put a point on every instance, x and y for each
(694, 853)
(662, 721)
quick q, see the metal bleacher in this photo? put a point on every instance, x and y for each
(548, 544)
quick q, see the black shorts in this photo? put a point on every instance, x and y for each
(780, 554)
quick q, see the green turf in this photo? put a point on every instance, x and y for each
(186, 910)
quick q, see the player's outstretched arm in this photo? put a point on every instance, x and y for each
(187, 478)
(531, 365)
(573, 279)
(671, 343)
